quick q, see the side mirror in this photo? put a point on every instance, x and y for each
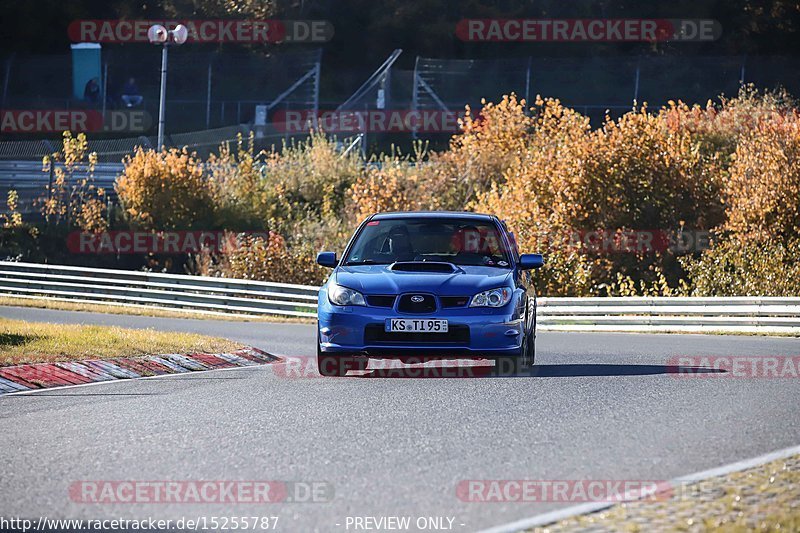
(327, 259)
(530, 261)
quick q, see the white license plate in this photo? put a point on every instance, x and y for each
(416, 325)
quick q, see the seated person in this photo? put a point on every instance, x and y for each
(91, 92)
(474, 247)
(398, 244)
(130, 94)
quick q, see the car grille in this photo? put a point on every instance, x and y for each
(427, 305)
(381, 301)
(454, 301)
(376, 333)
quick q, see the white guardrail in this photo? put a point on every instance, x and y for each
(225, 296)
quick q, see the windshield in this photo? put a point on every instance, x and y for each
(459, 241)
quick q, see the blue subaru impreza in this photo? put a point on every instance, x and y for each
(427, 285)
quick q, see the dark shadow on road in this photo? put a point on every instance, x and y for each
(192, 378)
(538, 371)
(440, 372)
(585, 370)
(55, 394)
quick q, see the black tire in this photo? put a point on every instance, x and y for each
(529, 348)
(512, 365)
(337, 365)
(533, 337)
(331, 365)
(530, 345)
(507, 365)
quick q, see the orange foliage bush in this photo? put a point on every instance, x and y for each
(263, 259)
(732, 169)
(392, 183)
(719, 127)
(72, 197)
(481, 154)
(763, 189)
(165, 190)
(385, 189)
(737, 266)
(634, 173)
(757, 251)
(729, 167)
(539, 194)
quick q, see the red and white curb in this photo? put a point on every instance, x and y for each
(23, 378)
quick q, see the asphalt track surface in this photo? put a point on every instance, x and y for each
(598, 406)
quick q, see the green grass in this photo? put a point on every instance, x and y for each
(37, 342)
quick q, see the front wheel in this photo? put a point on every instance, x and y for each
(508, 365)
(515, 364)
(328, 365)
(338, 365)
(331, 365)
(530, 347)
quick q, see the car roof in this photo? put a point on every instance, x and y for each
(431, 214)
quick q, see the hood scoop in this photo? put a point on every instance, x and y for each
(424, 266)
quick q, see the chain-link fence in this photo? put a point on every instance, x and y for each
(213, 96)
(205, 90)
(596, 84)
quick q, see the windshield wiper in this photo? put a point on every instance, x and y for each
(495, 265)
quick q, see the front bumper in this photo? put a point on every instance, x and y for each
(359, 330)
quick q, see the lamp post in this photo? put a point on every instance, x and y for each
(158, 34)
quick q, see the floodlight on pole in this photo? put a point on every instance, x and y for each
(158, 34)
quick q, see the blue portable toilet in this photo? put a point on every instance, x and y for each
(85, 66)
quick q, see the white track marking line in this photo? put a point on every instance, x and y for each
(593, 507)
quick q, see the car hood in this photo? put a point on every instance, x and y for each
(380, 279)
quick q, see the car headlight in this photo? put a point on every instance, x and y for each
(493, 298)
(339, 295)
